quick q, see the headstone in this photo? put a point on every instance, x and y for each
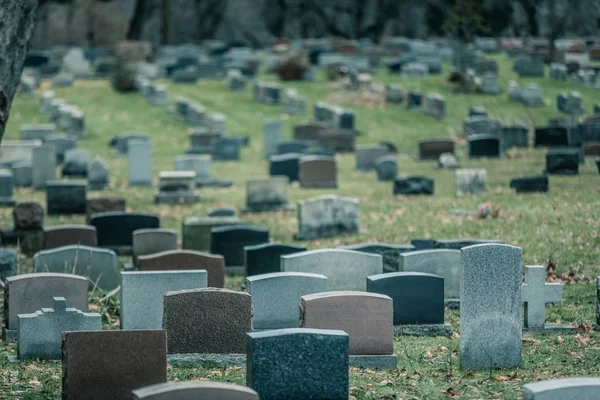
(513, 136)
(389, 252)
(530, 184)
(226, 149)
(386, 168)
(40, 333)
(6, 188)
(226, 211)
(196, 231)
(115, 229)
(181, 260)
(562, 161)
(98, 175)
(61, 144)
(273, 135)
(457, 244)
(313, 363)
(151, 241)
(104, 204)
(413, 100)
(267, 194)
(28, 293)
(317, 172)
(275, 297)
(532, 95)
(489, 83)
(207, 321)
(177, 187)
(95, 364)
(8, 263)
(432, 149)
(448, 161)
(139, 163)
(327, 216)
(99, 266)
(76, 163)
(292, 146)
(480, 125)
(194, 390)
(484, 146)
(566, 388)
(470, 181)
(22, 174)
(229, 241)
(423, 244)
(285, 165)
(345, 269)
(120, 142)
(413, 185)
(490, 307)
(66, 235)
(367, 155)
(529, 67)
(265, 258)
(142, 294)
(66, 198)
(551, 136)
(44, 166)
(366, 317)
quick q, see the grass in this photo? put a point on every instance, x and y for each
(560, 228)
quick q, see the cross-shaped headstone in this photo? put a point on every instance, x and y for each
(536, 293)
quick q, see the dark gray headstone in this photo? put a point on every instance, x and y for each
(226, 149)
(66, 198)
(562, 161)
(386, 168)
(551, 136)
(8, 263)
(115, 229)
(530, 184)
(389, 252)
(484, 146)
(265, 258)
(285, 165)
(292, 146)
(413, 185)
(423, 244)
(229, 241)
(76, 163)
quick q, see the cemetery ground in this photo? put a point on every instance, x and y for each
(559, 229)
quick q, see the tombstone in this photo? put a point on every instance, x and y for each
(76, 163)
(317, 172)
(513, 136)
(386, 168)
(273, 135)
(413, 100)
(551, 136)
(40, 333)
(115, 229)
(182, 260)
(194, 390)
(569, 103)
(532, 95)
(536, 293)
(529, 67)
(139, 163)
(598, 303)
(121, 142)
(432, 149)
(151, 241)
(530, 184)
(366, 317)
(142, 294)
(490, 307)
(484, 146)
(177, 187)
(418, 302)
(435, 105)
(104, 204)
(292, 146)
(285, 165)
(327, 216)
(413, 185)
(345, 269)
(98, 175)
(207, 322)
(394, 93)
(6, 188)
(66, 235)
(225, 211)
(267, 194)
(17, 150)
(36, 131)
(279, 356)
(477, 111)
(423, 244)
(483, 66)
(457, 244)
(265, 258)
(489, 83)
(226, 149)
(480, 125)
(275, 297)
(140, 356)
(367, 155)
(99, 266)
(200, 164)
(566, 388)
(66, 198)
(22, 174)
(229, 241)
(8, 263)
(28, 293)
(196, 231)
(470, 182)
(562, 161)
(389, 252)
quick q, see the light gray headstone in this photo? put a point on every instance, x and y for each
(471, 181)
(536, 293)
(36, 131)
(563, 389)
(327, 216)
(444, 263)
(151, 241)
(197, 163)
(140, 163)
(44, 165)
(273, 135)
(98, 174)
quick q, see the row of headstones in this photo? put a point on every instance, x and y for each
(434, 104)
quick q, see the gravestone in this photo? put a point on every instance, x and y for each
(273, 135)
(66, 198)
(285, 165)
(484, 146)
(531, 95)
(66, 235)
(478, 125)
(207, 321)
(317, 172)
(366, 317)
(470, 181)
(181, 260)
(536, 293)
(490, 307)
(327, 216)
(418, 301)
(313, 363)
(566, 388)
(8, 263)
(22, 174)
(292, 146)
(551, 136)
(275, 297)
(562, 161)
(413, 185)
(28, 293)
(226, 149)
(194, 390)
(478, 111)
(423, 244)
(139, 163)
(457, 244)
(513, 136)
(441, 262)
(229, 241)
(104, 204)
(6, 188)
(386, 168)
(142, 294)
(265, 258)
(120, 142)
(447, 161)
(151, 241)
(389, 252)
(43, 165)
(40, 333)
(76, 163)
(226, 211)
(267, 194)
(432, 149)
(367, 155)
(344, 269)
(177, 187)
(99, 266)
(102, 365)
(115, 229)
(36, 131)
(529, 67)
(530, 184)
(98, 175)
(196, 231)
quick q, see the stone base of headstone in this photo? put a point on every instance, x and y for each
(235, 360)
(268, 207)
(453, 304)
(235, 270)
(215, 183)
(386, 361)
(7, 201)
(550, 329)
(424, 330)
(177, 198)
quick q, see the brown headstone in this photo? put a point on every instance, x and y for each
(318, 172)
(367, 317)
(101, 365)
(591, 149)
(195, 390)
(104, 204)
(185, 260)
(595, 53)
(309, 131)
(66, 235)
(578, 47)
(432, 149)
(337, 141)
(28, 215)
(207, 321)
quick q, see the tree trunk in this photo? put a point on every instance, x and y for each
(165, 22)
(137, 21)
(17, 20)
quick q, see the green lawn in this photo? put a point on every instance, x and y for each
(561, 227)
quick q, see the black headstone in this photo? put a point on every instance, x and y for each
(423, 244)
(457, 244)
(589, 132)
(389, 252)
(551, 136)
(285, 165)
(477, 112)
(484, 146)
(562, 161)
(418, 297)
(66, 198)
(412, 185)
(229, 241)
(414, 100)
(266, 258)
(530, 184)
(292, 146)
(115, 229)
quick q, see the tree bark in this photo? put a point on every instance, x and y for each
(137, 21)
(17, 20)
